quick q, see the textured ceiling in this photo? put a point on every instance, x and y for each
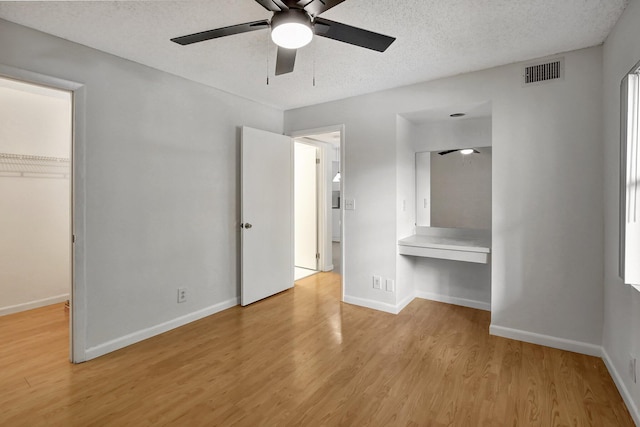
(435, 38)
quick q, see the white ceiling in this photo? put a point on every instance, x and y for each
(435, 38)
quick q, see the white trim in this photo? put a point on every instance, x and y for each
(373, 304)
(546, 340)
(328, 268)
(622, 388)
(118, 343)
(405, 302)
(33, 304)
(480, 305)
(378, 305)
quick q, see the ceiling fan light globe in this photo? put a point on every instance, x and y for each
(291, 35)
(466, 151)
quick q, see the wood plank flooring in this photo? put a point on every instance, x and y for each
(304, 358)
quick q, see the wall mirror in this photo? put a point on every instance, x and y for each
(453, 188)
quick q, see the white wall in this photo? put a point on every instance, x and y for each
(547, 199)
(452, 134)
(35, 262)
(423, 188)
(621, 337)
(405, 210)
(161, 179)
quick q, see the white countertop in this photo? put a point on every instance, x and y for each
(455, 244)
(470, 244)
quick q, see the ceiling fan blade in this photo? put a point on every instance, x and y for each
(352, 35)
(221, 32)
(316, 7)
(442, 153)
(286, 60)
(273, 5)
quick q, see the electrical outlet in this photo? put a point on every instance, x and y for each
(633, 373)
(182, 295)
(388, 285)
(377, 282)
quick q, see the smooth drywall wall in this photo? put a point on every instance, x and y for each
(35, 252)
(547, 190)
(406, 209)
(621, 338)
(161, 166)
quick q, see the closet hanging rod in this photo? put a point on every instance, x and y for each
(32, 158)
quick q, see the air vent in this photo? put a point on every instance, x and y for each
(536, 73)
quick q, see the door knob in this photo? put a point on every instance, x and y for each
(246, 225)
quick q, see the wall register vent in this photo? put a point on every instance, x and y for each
(536, 73)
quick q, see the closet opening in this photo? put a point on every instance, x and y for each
(36, 178)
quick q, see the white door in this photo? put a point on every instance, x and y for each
(306, 206)
(267, 214)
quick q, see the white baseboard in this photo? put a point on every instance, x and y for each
(454, 300)
(624, 391)
(373, 304)
(118, 343)
(328, 268)
(33, 304)
(546, 340)
(405, 302)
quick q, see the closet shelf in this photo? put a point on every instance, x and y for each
(24, 165)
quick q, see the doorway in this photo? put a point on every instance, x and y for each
(328, 144)
(36, 254)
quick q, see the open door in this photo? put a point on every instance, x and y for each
(266, 214)
(306, 206)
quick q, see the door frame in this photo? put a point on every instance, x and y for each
(323, 218)
(77, 312)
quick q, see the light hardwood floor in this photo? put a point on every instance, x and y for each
(303, 358)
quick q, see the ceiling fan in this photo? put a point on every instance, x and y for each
(464, 151)
(293, 24)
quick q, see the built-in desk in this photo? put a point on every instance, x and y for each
(448, 243)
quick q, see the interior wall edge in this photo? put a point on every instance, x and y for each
(624, 391)
(375, 305)
(480, 305)
(143, 334)
(546, 340)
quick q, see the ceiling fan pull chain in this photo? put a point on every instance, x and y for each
(268, 45)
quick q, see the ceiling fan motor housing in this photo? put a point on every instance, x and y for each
(291, 28)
